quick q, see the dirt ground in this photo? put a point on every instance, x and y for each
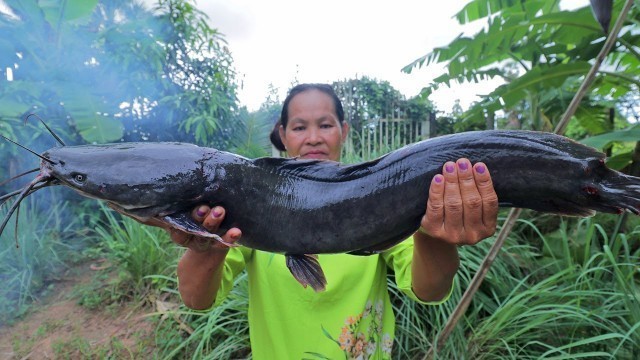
(58, 327)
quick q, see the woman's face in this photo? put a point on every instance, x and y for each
(313, 130)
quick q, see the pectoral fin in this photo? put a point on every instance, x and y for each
(306, 269)
(184, 222)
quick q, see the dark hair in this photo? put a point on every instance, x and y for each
(284, 115)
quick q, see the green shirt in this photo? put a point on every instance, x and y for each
(352, 318)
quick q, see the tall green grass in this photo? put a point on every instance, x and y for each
(32, 256)
(581, 303)
(220, 333)
(145, 258)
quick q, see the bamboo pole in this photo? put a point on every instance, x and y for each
(511, 219)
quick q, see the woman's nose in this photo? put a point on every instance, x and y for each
(314, 137)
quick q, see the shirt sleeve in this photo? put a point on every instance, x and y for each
(399, 259)
(234, 264)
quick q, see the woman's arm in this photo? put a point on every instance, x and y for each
(462, 210)
(200, 268)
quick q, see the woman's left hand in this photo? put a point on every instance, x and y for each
(463, 206)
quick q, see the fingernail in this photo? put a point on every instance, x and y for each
(201, 211)
(480, 169)
(463, 166)
(438, 178)
(449, 168)
(216, 213)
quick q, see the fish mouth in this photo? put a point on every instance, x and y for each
(624, 193)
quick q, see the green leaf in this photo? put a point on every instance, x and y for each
(536, 79)
(12, 108)
(601, 141)
(56, 11)
(88, 113)
(620, 161)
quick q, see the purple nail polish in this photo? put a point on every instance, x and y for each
(449, 168)
(438, 178)
(217, 213)
(480, 169)
(463, 166)
(201, 212)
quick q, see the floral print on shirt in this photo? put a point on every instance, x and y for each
(357, 344)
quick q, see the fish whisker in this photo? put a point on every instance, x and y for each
(29, 150)
(23, 194)
(19, 175)
(39, 186)
(47, 126)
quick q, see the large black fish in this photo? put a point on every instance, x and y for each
(300, 207)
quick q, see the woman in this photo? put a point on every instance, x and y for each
(353, 315)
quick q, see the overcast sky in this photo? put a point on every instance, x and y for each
(278, 41)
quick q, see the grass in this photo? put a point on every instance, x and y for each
(135, 252)
(43, 244)
(221, 333)
(571, 307)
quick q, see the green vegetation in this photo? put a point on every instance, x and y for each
(561, 288)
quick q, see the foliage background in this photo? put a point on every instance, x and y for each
(100, 71)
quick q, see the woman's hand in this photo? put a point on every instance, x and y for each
(462, 210)
(463, 206)
(200, 268)
(210, 218)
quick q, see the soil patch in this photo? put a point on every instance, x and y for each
(60, 328)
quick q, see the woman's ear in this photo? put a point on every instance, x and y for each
(282, 137)
(345, 130)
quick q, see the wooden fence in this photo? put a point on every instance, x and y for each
(381, 136)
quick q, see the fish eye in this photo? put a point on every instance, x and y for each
(79, 178)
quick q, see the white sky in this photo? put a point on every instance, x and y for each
(278, 41)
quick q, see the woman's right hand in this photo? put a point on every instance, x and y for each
(210, 218)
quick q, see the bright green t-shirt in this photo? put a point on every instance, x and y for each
(352, 318)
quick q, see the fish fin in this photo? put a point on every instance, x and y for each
(375, 249)
(184, 222)
(306, 269)
(365, 252)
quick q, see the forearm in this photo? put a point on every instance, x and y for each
(434, 266)
(199, 277)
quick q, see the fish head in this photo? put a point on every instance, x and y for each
(139, 178)
(588, 185)
(608, 190)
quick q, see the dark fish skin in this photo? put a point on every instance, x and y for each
(308, 207)
(602, 12)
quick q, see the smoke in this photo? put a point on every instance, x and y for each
(107, 72)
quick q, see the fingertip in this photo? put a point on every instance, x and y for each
(463, 164)
(438, 180)
(449, 167)
(481, 169)
(217, 212)
(200, 212)
(234, 234)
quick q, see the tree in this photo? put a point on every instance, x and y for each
(114, 70)
(551, 50)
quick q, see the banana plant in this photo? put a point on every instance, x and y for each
(47, 54)
(549, 49)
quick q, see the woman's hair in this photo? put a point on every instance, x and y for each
(284, 115)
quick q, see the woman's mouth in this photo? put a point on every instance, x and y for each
(315, 155)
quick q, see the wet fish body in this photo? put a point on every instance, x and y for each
(299, 207)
